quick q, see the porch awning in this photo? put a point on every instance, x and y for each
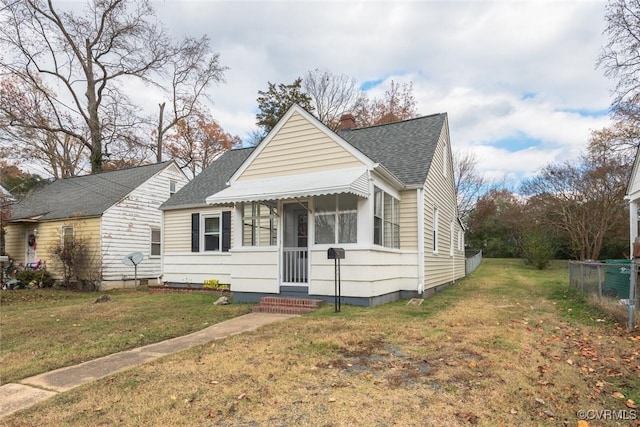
(351, 180)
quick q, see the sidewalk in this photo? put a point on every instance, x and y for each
(29, 391)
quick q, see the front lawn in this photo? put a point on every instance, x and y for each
(507, 346)
(45, 329)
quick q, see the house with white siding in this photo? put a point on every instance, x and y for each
(262, 219)
(113, 214)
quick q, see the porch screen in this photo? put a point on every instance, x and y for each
(336, 218)
(259, 224)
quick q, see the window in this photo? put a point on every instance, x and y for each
(459, 240)
(435, 229)
(259, 224)
(67, 236)
(172, 188)
(211, 232)
(155, 242)
(336, 219)
(386, 213)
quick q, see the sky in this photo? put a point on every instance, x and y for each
(517, 78)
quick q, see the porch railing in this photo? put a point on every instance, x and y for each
(294, 265)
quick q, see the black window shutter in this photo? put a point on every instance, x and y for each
(195, 232)
(226, 231)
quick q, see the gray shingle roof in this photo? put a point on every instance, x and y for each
(405, 148)
(83, 196)
(211, 180)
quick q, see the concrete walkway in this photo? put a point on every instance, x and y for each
(30, 391)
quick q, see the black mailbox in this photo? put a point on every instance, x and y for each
(335, 253)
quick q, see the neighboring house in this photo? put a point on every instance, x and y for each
(5, 194)
(633, 197)
(262, 219)
(113, 213)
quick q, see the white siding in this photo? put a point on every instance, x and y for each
(408, 220)
(126, 226)
(364, 272)
(299, 147)
(179, 264)
(439, 193)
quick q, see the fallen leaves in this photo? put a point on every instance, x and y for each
(618, 395)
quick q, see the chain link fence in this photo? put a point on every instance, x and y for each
(613, 284)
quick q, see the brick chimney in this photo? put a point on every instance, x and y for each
(347, 121)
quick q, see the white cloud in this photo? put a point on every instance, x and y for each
(499, 69)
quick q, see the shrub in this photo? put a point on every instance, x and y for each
(537, 249)
(211, 284)
(40, 278)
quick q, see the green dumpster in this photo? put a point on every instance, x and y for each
(617, 275)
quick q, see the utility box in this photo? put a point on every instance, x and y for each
(335, 253)
(617, 277)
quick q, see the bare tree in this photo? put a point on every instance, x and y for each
(583, 200)
(60, 154)
(469, 185)
(88, 58)
(332, 96)
(619, 59)
(193, 69)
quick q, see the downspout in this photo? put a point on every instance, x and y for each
(162, 251)
(420, 230)
(633, 224)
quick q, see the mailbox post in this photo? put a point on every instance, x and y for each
(336, 254)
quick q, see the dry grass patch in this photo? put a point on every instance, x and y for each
(492, 350)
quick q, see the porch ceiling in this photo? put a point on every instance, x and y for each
(350, 180)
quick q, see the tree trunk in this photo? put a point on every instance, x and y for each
(160, 135)
(94, 121)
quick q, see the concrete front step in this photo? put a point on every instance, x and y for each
(286, 305)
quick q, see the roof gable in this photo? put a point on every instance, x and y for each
(299, 143)
(405, 148)
(84, 196)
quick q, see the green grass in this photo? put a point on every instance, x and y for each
(45, 329)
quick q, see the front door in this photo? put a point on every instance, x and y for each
(295, 259)
(31, 247)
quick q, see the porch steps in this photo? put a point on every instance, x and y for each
(284, 305)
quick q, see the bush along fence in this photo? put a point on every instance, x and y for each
(615, 280)
(472, 261)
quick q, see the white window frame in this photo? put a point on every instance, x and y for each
(393, 222)
(172, 187)
(203, 233)
(153, 243)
